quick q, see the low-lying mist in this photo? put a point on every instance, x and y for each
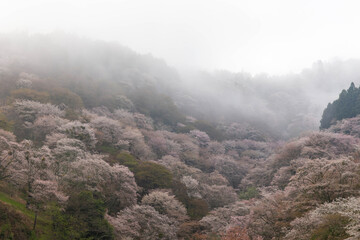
(283, 106)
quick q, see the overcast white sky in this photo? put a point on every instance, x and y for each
(276, 37)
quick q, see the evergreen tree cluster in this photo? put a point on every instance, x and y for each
(347, 106)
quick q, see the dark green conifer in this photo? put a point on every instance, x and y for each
(346, 106)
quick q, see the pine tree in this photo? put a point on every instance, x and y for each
(346, 106)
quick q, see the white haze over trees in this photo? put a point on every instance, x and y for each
(232, 61)
(131, 120)
(283, 106)
(255, 36)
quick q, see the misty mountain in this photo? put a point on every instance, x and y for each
(284, 106)
(100, 142)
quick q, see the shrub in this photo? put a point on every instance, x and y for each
(196, 208)
(65, 96)
(30, 94)
(249, 193)
(210, 129)
(160, 107)
(332, 228)
(88, 210)
(148, 175)
(13, 225)
(151, 175)
(5, 124)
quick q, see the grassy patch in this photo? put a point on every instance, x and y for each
(43, 228)
(17, 205)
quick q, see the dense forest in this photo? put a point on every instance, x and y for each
(347, 106)
(99, 142)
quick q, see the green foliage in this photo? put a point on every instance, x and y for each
(204, 126)
(128, 160)
(7, 85)
(107, 149)
(151, 175)
(185, 129)
(160, 107)
(333, 228)
(72, 114)
(30, 94)
(16, 205)
(117, 102)
(95, 94)
(328, 116)
(67, 97)
(210, 129)
(346, 106)
(21, 219)
(196, 208)
(148, 175)
(13, 225)
(63, 225)
(249, 193)
(83, 216)
(5, 123)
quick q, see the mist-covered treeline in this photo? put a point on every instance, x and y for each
(282, 106)
(99, 142)
(286, 105)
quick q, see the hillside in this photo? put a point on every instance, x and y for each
(99, 142)
(101, 72)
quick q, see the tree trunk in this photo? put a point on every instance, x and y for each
(29, 195)
(35, 220)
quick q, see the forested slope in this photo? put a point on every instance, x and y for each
(100, 144)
